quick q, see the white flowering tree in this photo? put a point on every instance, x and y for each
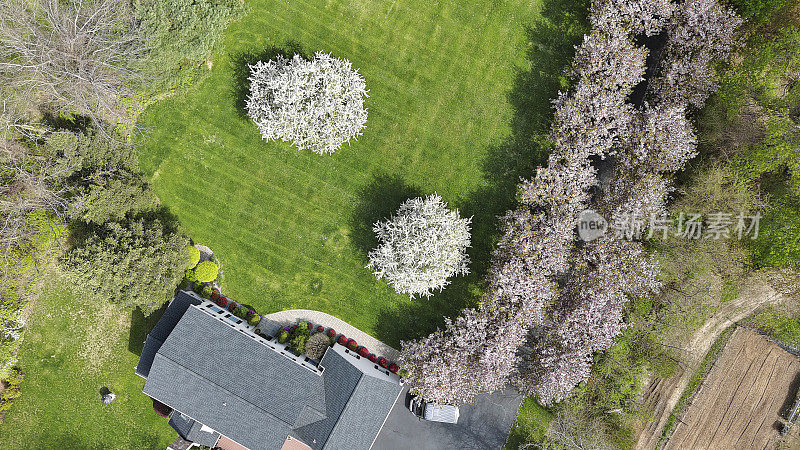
(551, 305)
(316, 104)
(419, 248)
(701, 32)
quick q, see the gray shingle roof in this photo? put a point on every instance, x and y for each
(217, 364)
(177, 307)
(251, 393)
(192, 430)
(357, 397)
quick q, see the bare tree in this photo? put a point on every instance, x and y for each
(29, 183)
(79, 56)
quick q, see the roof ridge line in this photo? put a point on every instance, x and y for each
(226, 390)
(361, 376)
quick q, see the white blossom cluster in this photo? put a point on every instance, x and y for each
(419, 248)
(564, 325)
(701, 32)
(11, 325)
(317, 104)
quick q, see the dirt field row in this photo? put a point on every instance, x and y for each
(740, 402)
(662, 395)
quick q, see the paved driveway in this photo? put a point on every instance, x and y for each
(482, 425)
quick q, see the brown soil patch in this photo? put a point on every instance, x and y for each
(662, 395)
(741, 401)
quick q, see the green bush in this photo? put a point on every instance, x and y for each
(254, 319)
(194, 256)
(778, 242)
(206, 272)
(298, 343)
(132, 263)
(299, 337)
(190, 277)
(757, 10)
(283, 336)
(205, 292)
(780, 326)
(12, 389)
(184, 30)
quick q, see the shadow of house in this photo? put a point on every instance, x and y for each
(141, 325)
(241, 69)
(552, 41)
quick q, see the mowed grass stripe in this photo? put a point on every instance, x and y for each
(248, 238)
(286, 223)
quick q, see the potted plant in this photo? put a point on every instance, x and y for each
(320, 328)
(232, 307)
(254, 320)
(352, 344)
(342, 340)
(331, 332)
(222, 301)
(372, 358)
(310, 327)
(383, 362)
(393, 368)
(215, 294)
(363, 352)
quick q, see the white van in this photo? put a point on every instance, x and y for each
(433, 411)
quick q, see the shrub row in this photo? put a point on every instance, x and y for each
(341, 339)
(241, 311)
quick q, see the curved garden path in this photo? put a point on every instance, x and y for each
(292, 316)
(662, 394)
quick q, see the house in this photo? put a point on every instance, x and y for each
(232, 388)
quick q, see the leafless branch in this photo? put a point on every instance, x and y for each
(80, 55)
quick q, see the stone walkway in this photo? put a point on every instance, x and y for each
(292, 316)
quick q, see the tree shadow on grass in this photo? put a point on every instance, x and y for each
(377, 201)
(241, 69)
(141, 326)
(552, 41)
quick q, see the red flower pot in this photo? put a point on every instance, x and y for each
(352, 344)
(363, 352)
(310, 327)
(342, 340)
(215, 294)
(383, 362)
(222, 301)
(331, 332)
(320, 328)
(393, 368)
(372, 357)
(232, 306)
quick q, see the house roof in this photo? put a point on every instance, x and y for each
(163, 328)
(358, 398)
(221, 376)
(192, 430)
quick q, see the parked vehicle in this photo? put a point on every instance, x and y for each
(433, 411)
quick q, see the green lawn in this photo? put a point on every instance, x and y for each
(460, 93)
(532, 422)
(77, 344)
(458, 90)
